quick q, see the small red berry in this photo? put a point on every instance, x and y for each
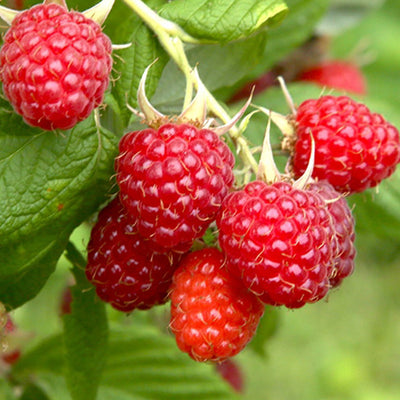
(66, 301)
(343, 222)
(55, 66)
(126, 269)
(10, 356)
(336, 74)
(213, 316)
(173, 180)
(232, 374)
(280, 240)
(355, 149)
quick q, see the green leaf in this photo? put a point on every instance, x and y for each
(343, 14)
(146, 362)
(49, 184)
(33, 392)
(297, 27)
(130, 63)
(6, 392)
(142, 363)
(53, 385)
(85, 334)
(223, 20)
(266, 329)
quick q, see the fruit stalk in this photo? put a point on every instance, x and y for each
(172, 37)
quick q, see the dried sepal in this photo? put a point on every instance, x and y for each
(100, 11)
(8, 14)
(220, 130)
(150, 114)
(121, 46)
(304, 179)
(196, 111)
(288, 97)
(267, 169)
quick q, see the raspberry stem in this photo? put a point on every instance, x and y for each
(172, 37)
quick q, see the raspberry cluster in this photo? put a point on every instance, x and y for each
(285, 241)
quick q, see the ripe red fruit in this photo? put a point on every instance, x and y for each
(280, 240)
(55, 66)
(66, 301)
(126, 269)
(343, 222)
(355, 149)
(336, 74)
(173, 180)
(213, 316)
(232, 374)
(10, 357)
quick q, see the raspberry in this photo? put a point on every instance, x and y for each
(66, 301)
(344, 228)
(55, 66)
(355, 149)
(232, 374)
(10, 356)
(280, 240)
(125, 268)
(213, 316)
(336, 74)
(173, 180)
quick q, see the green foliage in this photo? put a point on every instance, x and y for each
(266, 329)
(49, 184)
(85, 334)
(218, 65)
(295, 29)
(131, 62)
(142, 362)
(223, 20)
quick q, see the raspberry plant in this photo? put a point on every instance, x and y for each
(100, 193)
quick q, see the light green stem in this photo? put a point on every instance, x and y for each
(172, 38)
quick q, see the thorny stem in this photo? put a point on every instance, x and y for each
(172, 38)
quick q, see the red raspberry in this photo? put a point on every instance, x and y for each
(355, 149)
(66, 301)
(126, 269)
(10, 357)
(280, 241)
(344, 228)
(336, 74)
(173, 180)
(232, 374)
(55, 66)
(213, 316)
